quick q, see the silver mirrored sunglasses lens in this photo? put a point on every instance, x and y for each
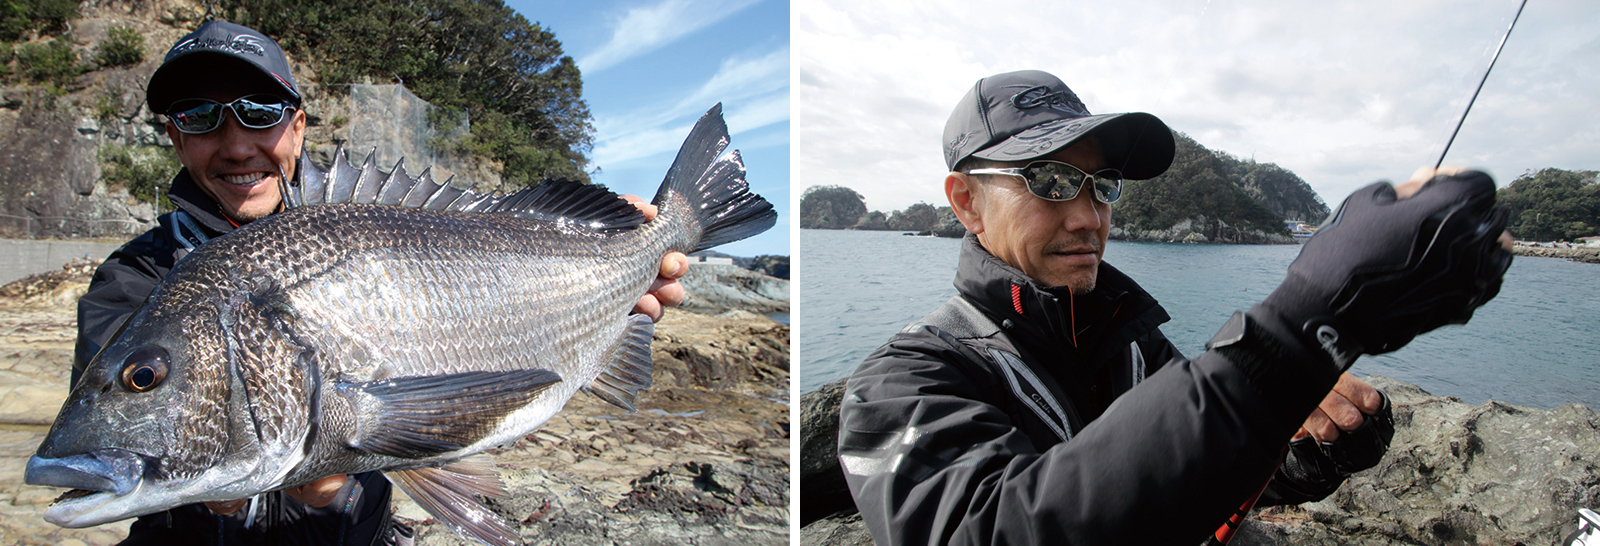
(256, 115)
(1107, 188)
(197, 116)
(1053, 181)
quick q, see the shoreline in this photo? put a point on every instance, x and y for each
(1580, 255)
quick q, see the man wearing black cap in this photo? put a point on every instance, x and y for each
(1028, 409)
(235, 119)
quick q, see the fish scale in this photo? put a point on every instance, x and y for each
(345, 337)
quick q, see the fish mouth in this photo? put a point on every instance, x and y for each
(94, 479)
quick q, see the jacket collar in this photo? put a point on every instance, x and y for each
(188, 197)
(1040, 316)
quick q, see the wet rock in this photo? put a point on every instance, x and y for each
(824, 491)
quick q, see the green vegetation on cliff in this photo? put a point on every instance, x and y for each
(1218, 186)
(1552, 205)
(831, 207)
(523, 95)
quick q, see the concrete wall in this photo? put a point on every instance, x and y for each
(20, 258)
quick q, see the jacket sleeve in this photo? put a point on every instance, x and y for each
(119, 287)
(930, 461)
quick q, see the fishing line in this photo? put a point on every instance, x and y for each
(1480, 85)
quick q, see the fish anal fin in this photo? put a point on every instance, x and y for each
(629, 371)
(424, 416)
(450, 494)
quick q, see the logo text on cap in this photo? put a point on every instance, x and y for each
(243, 43)
(1040, 95)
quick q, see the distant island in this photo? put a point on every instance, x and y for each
(1213, 197)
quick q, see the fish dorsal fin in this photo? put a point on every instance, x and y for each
(563, 201)
(424, 416)
(629, 371)
(450, 493)
(559, 201)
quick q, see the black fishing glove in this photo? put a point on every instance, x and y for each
(1383, 270)
(1314, 469)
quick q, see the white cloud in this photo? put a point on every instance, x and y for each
(645, 29)
(754, 92)
(1342, 93)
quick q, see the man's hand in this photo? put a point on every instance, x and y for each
(1344, 409)
(1394, 263)
(316, 494)
(665, 291)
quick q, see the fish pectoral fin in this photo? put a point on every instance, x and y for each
(630, 364)
(423, 416)
(450, 494)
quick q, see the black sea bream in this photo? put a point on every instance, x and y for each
(344, 338)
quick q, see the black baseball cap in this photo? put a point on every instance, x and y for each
(1018, 116)
(221, 50)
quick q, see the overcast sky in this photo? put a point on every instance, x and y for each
(1342, 93)
(651, 68)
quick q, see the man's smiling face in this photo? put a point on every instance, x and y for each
(238, 166)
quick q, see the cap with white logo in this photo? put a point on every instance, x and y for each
(205, 54)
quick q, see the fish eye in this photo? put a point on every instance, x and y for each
(145, 369)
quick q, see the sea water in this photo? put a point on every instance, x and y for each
(1536, 344)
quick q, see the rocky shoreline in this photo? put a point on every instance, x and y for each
(705, 460)
(1582, 255)
(1494, 473)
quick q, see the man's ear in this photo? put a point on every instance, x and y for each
(966, 199)
(299, 128)
(176, 137)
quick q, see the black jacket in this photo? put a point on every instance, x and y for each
(1042, 420)
(359, 515)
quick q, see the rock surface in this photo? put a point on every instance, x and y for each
(1201, 230)
(1576, 254)
(705, 460)
(716, 288)
(1455, 474)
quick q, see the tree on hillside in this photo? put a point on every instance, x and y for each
(919, 217)
(831, 207)
(522, 94)
(1196, 185)
(1553, 204)
(873, 221)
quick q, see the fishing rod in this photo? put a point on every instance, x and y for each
(1480, 85)
(1225, 533)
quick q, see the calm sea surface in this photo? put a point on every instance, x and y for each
(1537, 344)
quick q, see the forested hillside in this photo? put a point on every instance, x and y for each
(1553, 205)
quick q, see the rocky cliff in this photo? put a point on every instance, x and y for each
(1455, 474)
(704, 461)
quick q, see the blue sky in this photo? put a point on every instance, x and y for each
(651, 68)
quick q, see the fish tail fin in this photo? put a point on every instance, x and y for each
(719, 200)
(450, 493)
(629, 371)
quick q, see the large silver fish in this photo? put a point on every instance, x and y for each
(345, 338)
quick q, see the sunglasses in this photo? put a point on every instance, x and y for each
(196, 116)
(1057, 181)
